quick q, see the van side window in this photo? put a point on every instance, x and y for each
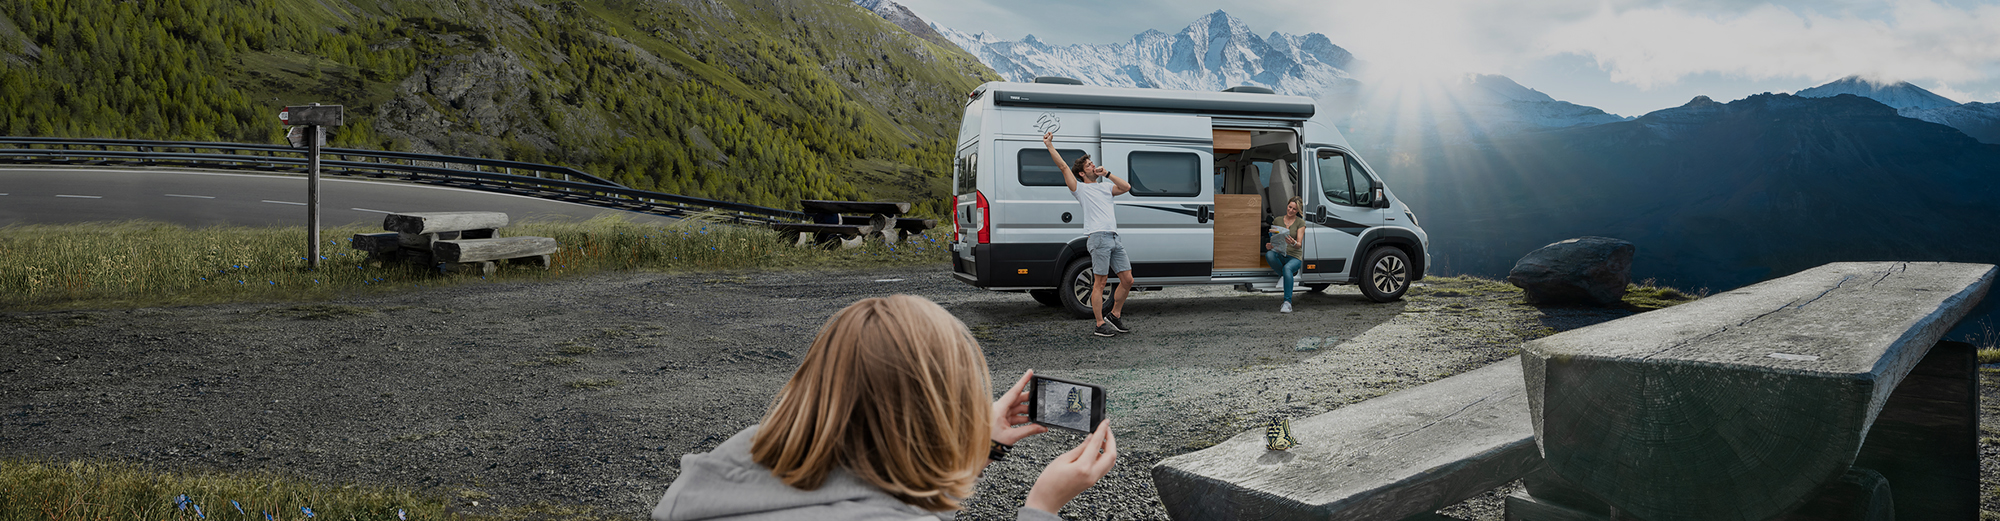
(1164, 174)
(1364, 189)
(1333, 179)
(1036, 170)
(968, 173)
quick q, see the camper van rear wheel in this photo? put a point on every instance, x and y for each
(1386, 275)
(1047, 297)
(1075, 290)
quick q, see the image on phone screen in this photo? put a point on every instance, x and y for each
(1068, 405)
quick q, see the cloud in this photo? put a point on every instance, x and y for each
(1914, 40)
(1653, 42)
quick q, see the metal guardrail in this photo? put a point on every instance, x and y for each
(551, 182)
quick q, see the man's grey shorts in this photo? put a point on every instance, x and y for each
(1107, 256)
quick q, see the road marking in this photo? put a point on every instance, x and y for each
(191, 196)
(81, 196)
(368, 210)
(284, 202)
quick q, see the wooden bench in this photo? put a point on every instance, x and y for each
(1399, 456)
(1814, 396)
(878, 219)
(1764, 402)
(454, 241)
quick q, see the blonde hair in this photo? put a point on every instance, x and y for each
(896, 391)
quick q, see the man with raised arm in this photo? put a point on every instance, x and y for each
(1107, 256)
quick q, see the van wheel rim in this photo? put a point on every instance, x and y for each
(1082, 284)
(1389, 275)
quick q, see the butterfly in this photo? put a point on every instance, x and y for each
(1278, 435)
(1075, 400)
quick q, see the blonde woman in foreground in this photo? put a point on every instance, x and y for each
(886, 418)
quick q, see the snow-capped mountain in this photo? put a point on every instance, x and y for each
(1979, 120)
(905, 18)
(1900, 95)
(1219, 51)
(1215, 52)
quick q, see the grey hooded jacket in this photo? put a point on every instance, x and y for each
(728, 484)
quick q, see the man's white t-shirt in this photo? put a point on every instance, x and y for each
(1096, 199)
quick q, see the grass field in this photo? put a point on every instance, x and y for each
(138, 263)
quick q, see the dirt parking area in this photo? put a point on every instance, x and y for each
(587, 391)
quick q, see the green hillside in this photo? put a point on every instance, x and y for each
(758, 101)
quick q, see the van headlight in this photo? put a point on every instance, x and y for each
(1413, 218)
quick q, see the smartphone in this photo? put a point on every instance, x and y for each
(1063, 404)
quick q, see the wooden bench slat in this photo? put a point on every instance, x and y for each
(848, 230)
(479, 250)
(1410, 452)
(1739, 405)
(842, 207)
(436, 222)
(377, 242)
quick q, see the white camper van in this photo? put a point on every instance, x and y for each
(1209, 171)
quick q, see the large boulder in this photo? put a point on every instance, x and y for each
(1584, 270)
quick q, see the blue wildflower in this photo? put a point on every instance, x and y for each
(239, 507)
(307, 511)
(181, 501)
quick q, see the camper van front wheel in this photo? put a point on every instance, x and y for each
(1075, 290)
(1386, 275)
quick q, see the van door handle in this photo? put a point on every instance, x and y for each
(1202, 214)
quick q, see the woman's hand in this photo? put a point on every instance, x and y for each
(1074, 471)
(1011, 410)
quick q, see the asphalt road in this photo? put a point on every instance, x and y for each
(55, 195)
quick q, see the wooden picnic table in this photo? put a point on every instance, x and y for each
(831, 222)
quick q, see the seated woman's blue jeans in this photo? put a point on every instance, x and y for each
(1286, 266)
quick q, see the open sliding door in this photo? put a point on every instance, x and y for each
(1166, 222)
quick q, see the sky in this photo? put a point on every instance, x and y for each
(1628, 57)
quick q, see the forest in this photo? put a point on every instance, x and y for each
(757, 101)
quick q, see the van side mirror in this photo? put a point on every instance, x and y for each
(1381, 200)
(1319, 216)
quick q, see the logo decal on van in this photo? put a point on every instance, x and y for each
(1048, 123)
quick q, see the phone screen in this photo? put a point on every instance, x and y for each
(1064, 404)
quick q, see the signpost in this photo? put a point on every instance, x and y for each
(311, 118)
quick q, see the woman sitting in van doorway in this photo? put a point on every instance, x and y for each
(1100, 223)
(886, 418)
(1288, 231)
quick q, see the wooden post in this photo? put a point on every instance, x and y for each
(312, 117)
(312, 197)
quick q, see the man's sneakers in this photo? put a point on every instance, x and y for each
(1287, 308)
(1106, 329)
(1117, 323)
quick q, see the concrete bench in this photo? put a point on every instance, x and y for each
(1814, 396)
(454, 241)
(1399, 456)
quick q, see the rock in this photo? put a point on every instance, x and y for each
(1584, 270)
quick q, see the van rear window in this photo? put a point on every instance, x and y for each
(968, 173)
(1164, 174)
(1037, 170)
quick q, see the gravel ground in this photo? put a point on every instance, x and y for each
(587, 391)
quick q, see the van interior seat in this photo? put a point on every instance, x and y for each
(1280, 191)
